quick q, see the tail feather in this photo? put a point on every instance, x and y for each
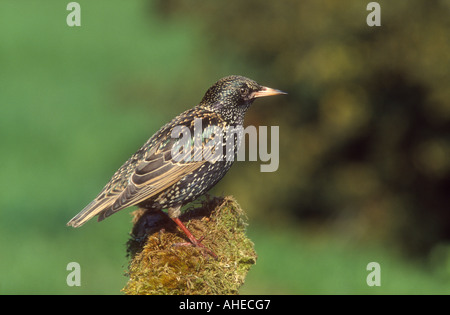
(94, 208)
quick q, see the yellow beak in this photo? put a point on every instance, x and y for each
(266, 91)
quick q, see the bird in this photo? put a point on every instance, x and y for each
(159, 177)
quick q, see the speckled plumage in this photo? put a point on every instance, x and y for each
(153, 179)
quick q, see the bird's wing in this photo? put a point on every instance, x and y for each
(151, 170)
(152, 176)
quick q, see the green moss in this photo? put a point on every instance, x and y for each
(159, 267)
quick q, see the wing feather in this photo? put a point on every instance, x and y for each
(147, 173)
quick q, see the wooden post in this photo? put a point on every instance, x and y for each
(159, 267)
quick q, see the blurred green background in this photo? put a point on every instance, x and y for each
(364, 171)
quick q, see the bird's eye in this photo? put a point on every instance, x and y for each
(244, 89)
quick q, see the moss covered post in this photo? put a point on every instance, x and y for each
(159, 267)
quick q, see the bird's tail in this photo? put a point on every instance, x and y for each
(91, 210)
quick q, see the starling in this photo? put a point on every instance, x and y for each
(154, 179)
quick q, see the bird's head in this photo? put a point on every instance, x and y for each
(234, 94)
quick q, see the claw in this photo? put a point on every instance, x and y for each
(194, 241)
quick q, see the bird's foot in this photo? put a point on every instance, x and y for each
(197, 243)
(193, 240)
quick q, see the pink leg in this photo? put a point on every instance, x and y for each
(193, 240)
